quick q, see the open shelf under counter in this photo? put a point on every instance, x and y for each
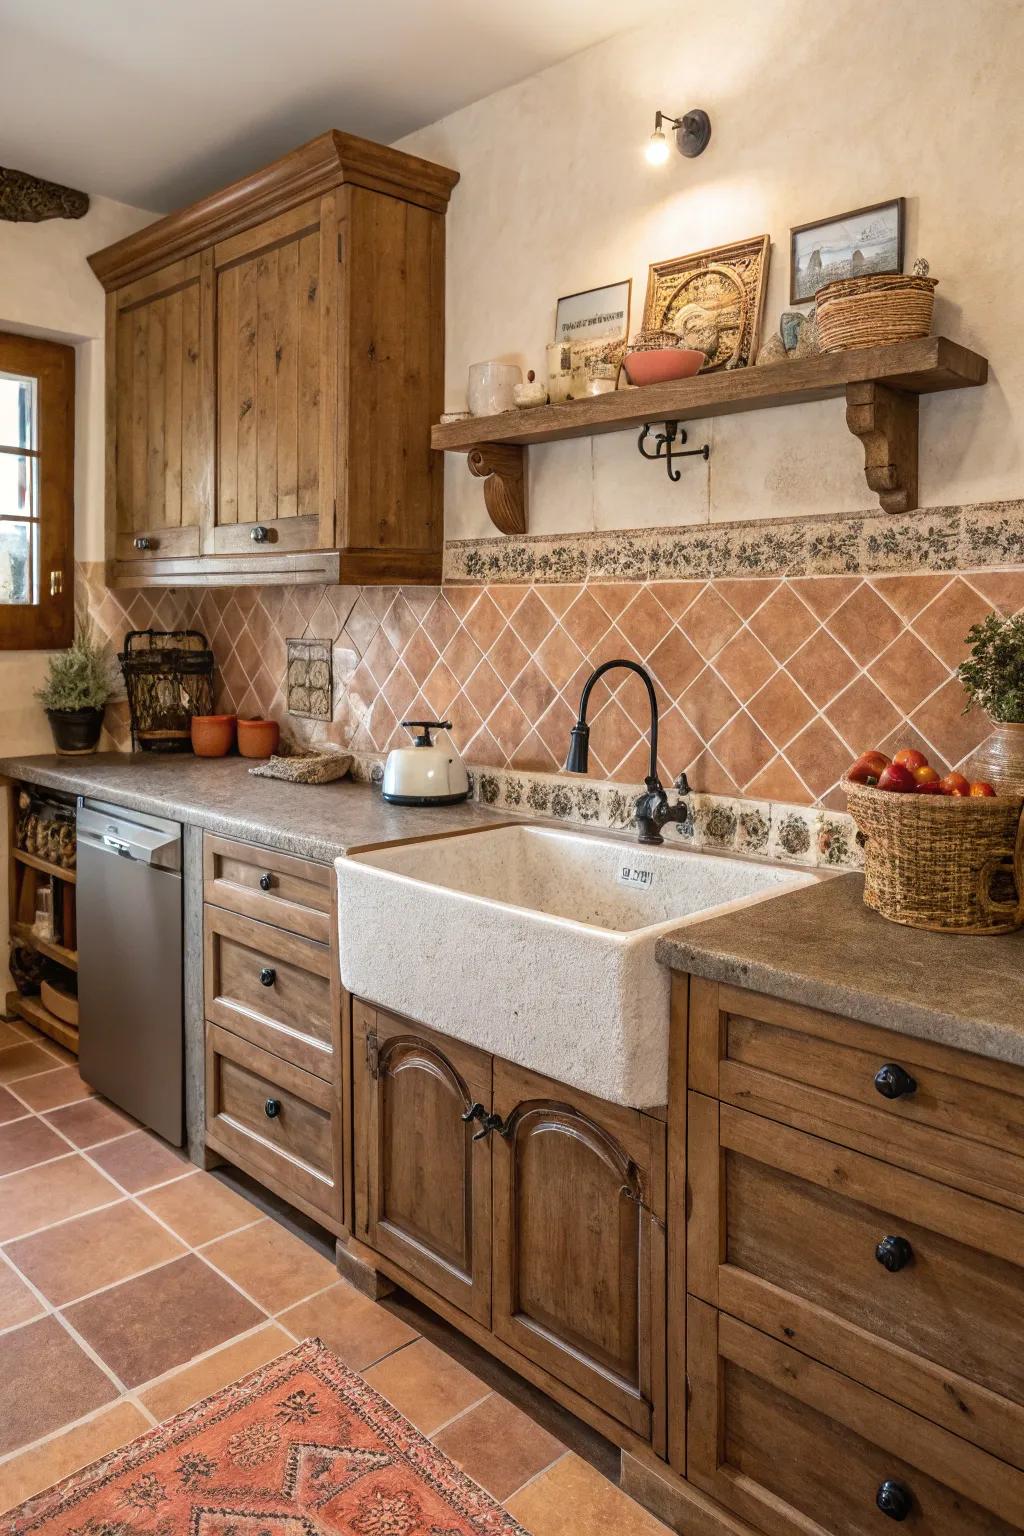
(882, 387)
(32, 861)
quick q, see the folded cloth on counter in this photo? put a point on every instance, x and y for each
(305, 768)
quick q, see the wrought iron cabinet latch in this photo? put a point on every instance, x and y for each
(373, 1054)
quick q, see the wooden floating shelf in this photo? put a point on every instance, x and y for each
(34, 862)
(882, 386)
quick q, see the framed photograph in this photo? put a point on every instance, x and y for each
(712, 300)
(856, 244)
(598, 314)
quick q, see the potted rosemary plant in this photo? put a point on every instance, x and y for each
(993, 677)
(77, 687)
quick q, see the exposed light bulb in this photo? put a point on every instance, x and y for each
(656, 151)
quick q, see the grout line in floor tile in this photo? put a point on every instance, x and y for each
(136, 1274)
(462, 1411)
(231, 1232)
(29, 1114)
(542, 1473)
(30, 1167)
(103, 1206)
(206, 1354)
(320, 1291)
(50, 1108)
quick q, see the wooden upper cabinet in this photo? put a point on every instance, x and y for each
(275, 359)
(160, 411)
(275, 298)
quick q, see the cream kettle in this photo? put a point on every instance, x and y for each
(428, 772)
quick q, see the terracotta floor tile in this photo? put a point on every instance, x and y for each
(573, 1499)
(140, 1161)
(199, 1208)
(46, 1464)
(17, 1303)
(80, 1256)
(51, 1193)
(46, 1090)
(271, 1265)
(202, 1377)
(427, 1385)
(498, 1446)
(10, 1033)
(46, 1380)
(22, 1060)
(10, 1107)
(28, 1141)
(358, 1330)
(151, 1324)
(91, 1121)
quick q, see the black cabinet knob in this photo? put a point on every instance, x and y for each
(266, 881)
(143, 542)
(272, 1108)
(259, 534)
(893, 1083)
(894, 1500)
(894, 1253)
(474, 1112)
(267, 976)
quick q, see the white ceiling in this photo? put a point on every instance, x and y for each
(157, 102)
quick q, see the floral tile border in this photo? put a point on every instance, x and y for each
(932, 539)
(794, 834)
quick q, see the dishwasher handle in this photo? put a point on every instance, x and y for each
(156, 845)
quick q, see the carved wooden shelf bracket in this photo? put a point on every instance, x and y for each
(502, 468)
(885, 420)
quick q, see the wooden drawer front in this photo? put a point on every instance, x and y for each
(963, 1122)
(273, 988)
(296, 1146)
(799, 1450)
(800, 1222)
(273, 887)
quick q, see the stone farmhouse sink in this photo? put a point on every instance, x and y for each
(537, 943)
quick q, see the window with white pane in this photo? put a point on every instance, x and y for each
(19, 490)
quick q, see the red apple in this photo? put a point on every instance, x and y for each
(955, 784)
(868, 768)
(910, 758)
(981, 789)
(897, 778)
(933, 788)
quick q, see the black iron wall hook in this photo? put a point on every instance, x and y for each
(666, 450)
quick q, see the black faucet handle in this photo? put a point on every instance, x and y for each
(682, 785)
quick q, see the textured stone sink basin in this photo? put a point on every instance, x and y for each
(537, 943)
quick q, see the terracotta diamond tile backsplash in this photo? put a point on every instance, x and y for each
(768, 686)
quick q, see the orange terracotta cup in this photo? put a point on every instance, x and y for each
(258, 738)
(212, 735)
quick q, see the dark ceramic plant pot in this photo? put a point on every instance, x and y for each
(75, 731)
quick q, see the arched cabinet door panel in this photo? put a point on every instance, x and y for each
(423, 1185)
(579, 1241)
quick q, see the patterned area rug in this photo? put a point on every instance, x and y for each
(301, 1447)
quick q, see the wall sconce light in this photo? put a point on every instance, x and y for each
(693, 130)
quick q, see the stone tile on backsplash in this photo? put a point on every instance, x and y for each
(309, 679)
(779, 650)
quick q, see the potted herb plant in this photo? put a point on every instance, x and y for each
(993, 677)
(77, 687)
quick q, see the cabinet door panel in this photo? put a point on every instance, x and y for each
(579, 1239)
(276, 383)
(423, 1196)
(160, 351)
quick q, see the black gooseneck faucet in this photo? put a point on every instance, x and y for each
(652, 808)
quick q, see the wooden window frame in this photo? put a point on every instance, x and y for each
(49, 623)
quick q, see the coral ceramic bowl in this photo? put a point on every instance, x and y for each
(258, 738)
(212, 735)
(659, 365)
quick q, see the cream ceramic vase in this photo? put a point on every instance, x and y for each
(1000, 758)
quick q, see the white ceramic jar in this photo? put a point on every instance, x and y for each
(491, 386)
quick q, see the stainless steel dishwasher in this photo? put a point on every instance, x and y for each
(130, 963)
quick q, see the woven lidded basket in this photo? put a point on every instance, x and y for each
(934, 861)
(874, 311)
(168, 676)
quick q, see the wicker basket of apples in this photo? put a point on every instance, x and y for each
(940, 852)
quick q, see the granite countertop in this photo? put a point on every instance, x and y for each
(823, 947)
(314, 821)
